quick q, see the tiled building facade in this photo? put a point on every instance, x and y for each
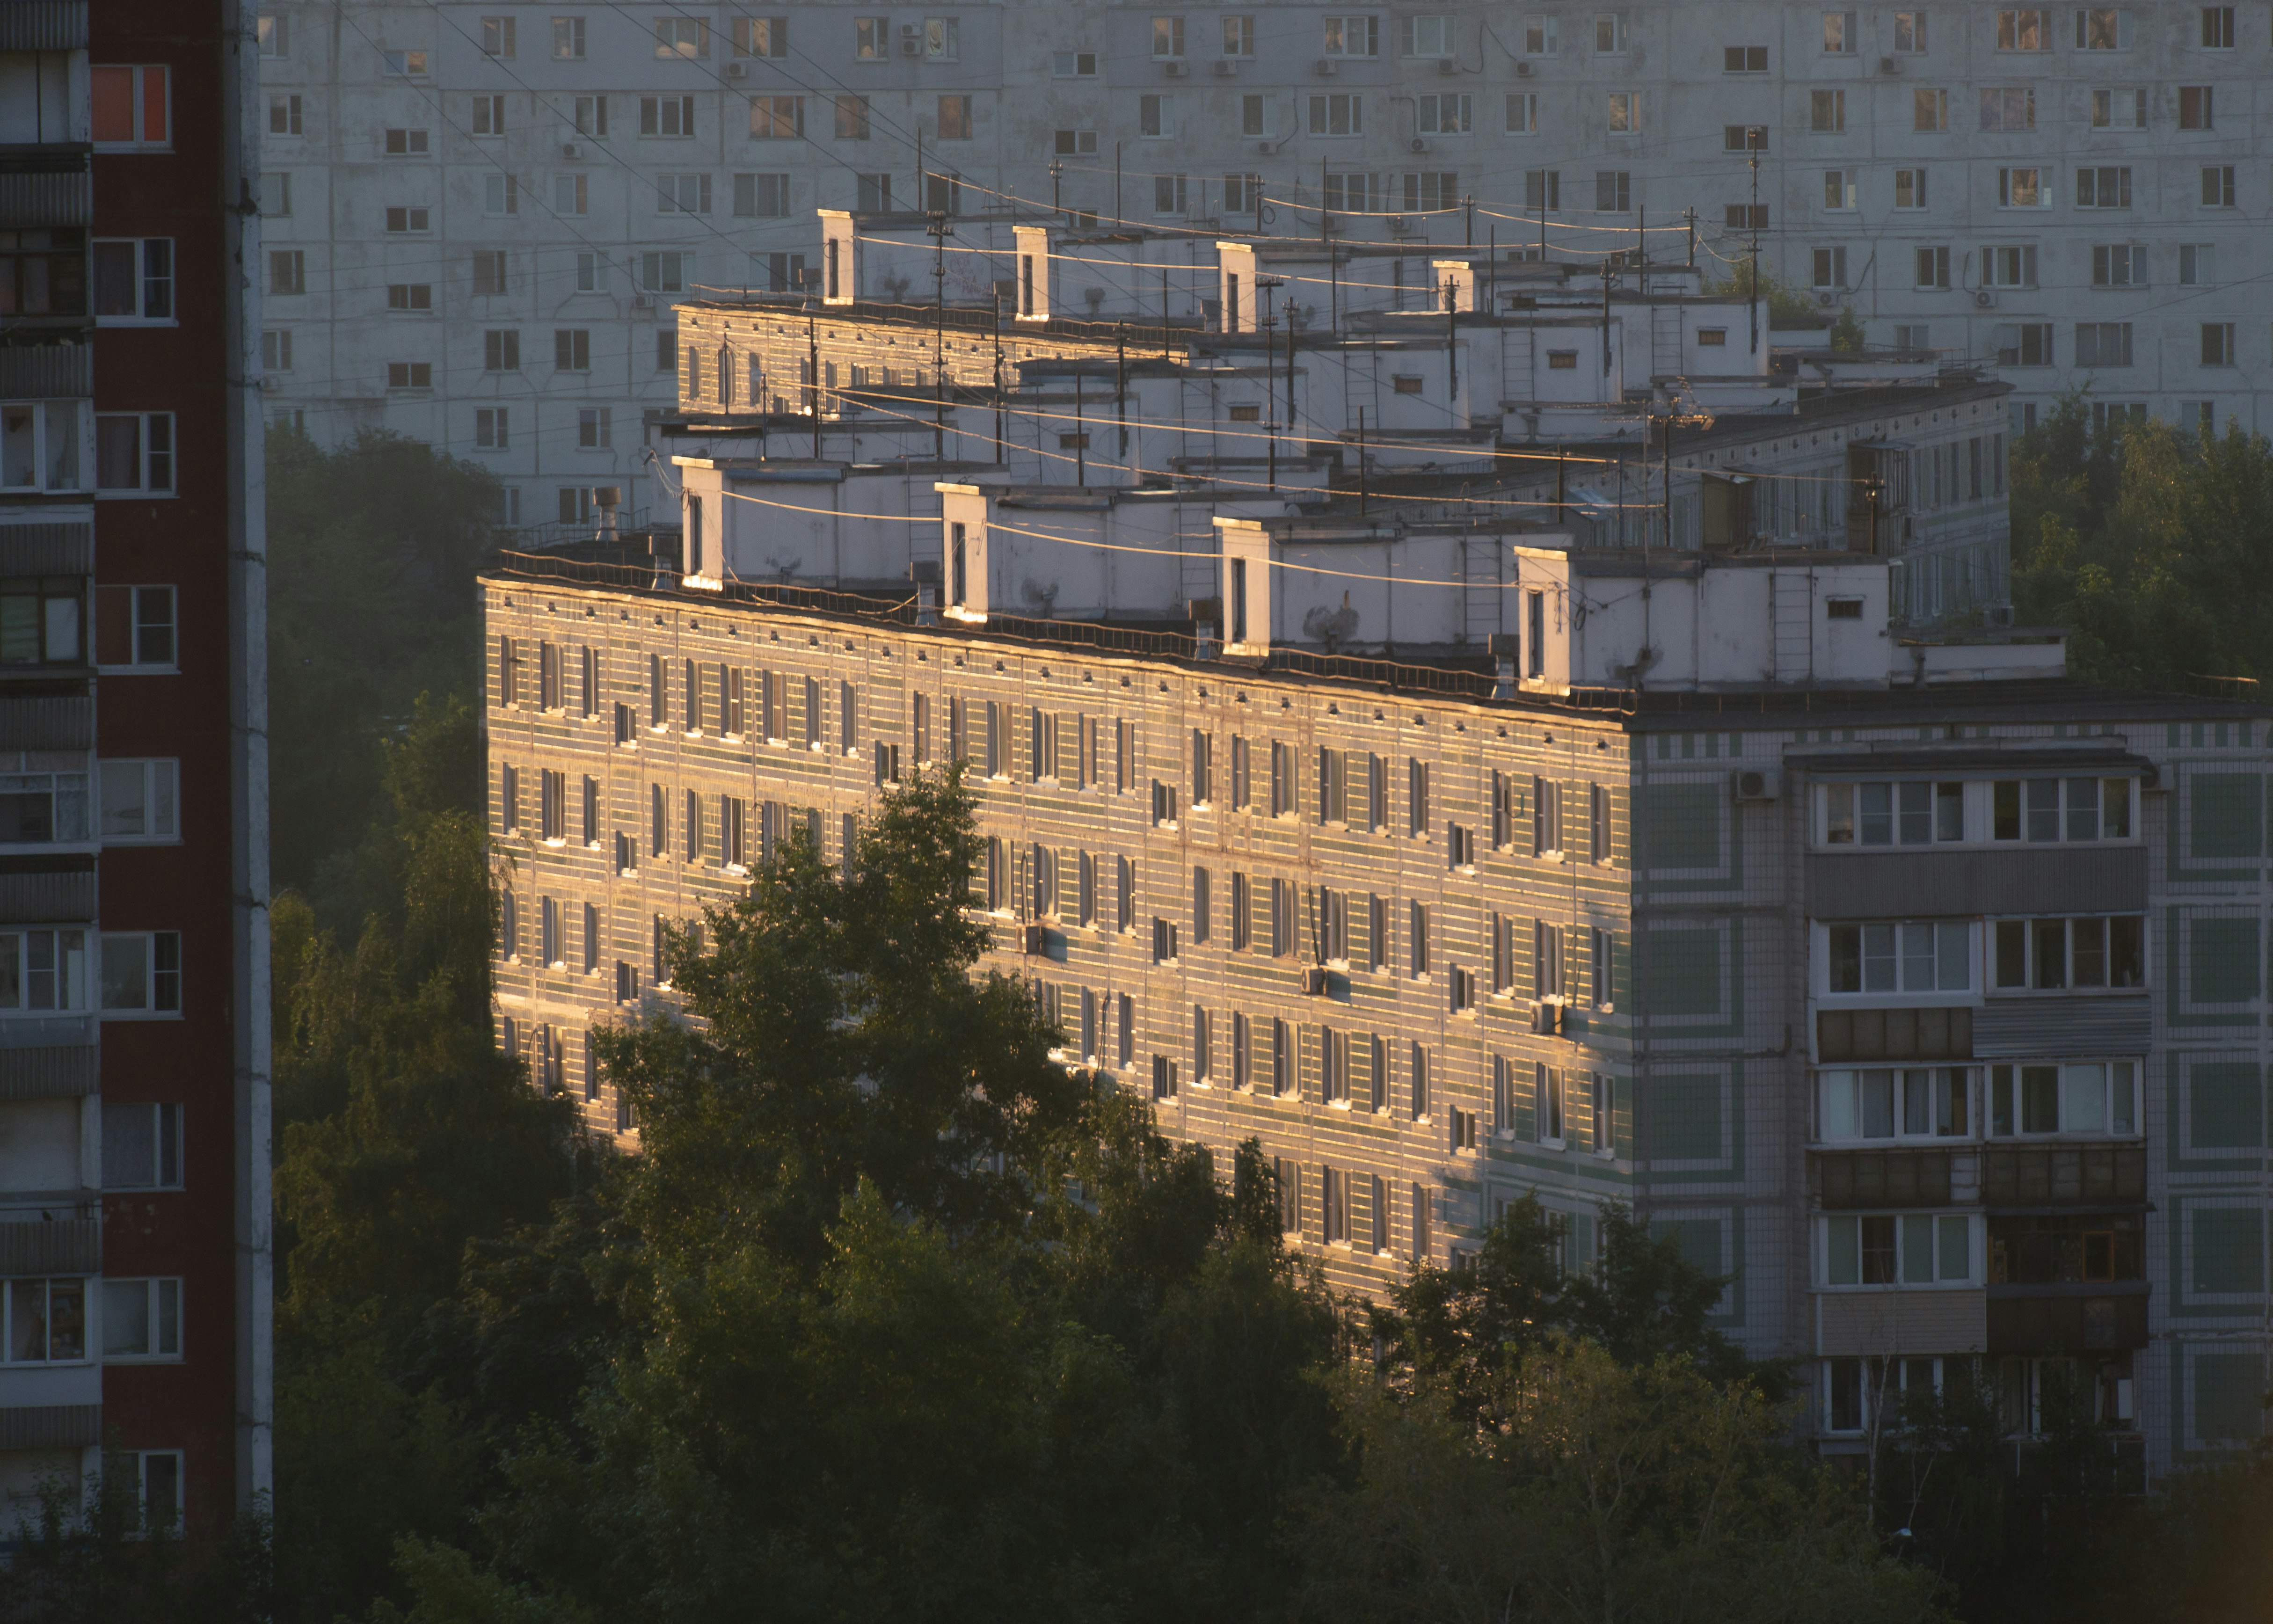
(1936, 1068)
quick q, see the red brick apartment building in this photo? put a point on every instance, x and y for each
(134, 1227)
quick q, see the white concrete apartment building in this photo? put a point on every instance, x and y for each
(480, 214)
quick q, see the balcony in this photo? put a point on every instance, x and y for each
(2060, 1175)
(2107, 1317)
(1849, 1180)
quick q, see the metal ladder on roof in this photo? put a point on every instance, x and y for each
(1791, 608)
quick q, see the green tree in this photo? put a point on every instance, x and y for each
(2150, 542)
(372, 553)
(1600, 1493)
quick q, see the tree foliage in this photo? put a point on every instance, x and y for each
(372, 601)
(2150, 542)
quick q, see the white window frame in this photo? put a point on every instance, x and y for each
(161, 1317)
(146, 279)
(76, 418)
(568, 39)
(1354, 36)
(1827, 1224)
(1840, 1116)
(152, 462)
(145, 595)
(2117, 1078)
(71, 989)
(159, 794)
(1901, 957)
(70, 821)
(1992, 929)
(157, 995)
(12, 1293)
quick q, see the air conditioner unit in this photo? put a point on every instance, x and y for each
(737, 69)
(1755, 783)
(1826, 300)
(911, 46)
(1417, 144)
(1173, 69)
(1398, 225)
(1267, 148)
(1523, 70)
(1447, 66)
(1314, 980)
(640, 302)
(1999, 614)
(1546, 1020)
(1225, 69)
(569, 149)
(1984, 300)
(1034, 941)
(270, 385)
(1328, 67)
(1890, 65)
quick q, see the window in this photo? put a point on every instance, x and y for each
(1352, 36)
(2217, 27)
(1547, 961)
(1826, 110)
(410, 296)
(497, 36)
(1745, 59)
(2118, 265)
(664, 272)
(2104, 188)
(42, 970)
(1168, 39)
(1600, 987)
(2217, 186)
(142, 1318)
(285, 115)
(488, 272)
(403, 65)
(501, 350)
(592, 428)
(1838, 188)
(1539, 31)
(772, 118)
(2009, 266)
(1168, 197)
(1743, 137)
(43, 808)
(943, 39)
(1913, 1103)
(1447, 114)
(2218, 344)
(591, 116)
(1609, 33)
(2048, 956)
(2021, 189)
(682, 194)
(568, 39)
(1746, 217)
(1074, 64)
(2197, 261)
(1932, 268)
(489, 115)
(134, 453)
(761, 196)
(954, 123)
(2118, 109)
(142, 1145)
(1910, 1248)
(288, 271)
(131, 108)
(2056, 809)
(2197, 109)
(759, 36)
(1909, 191)
(2010, 107)
(142, 973)
(1909, 32)
(1417, 930)
(133, 280)
(2024, 31)
(1840, 35)
(1332, 115)
(405, 219)
(2102, 29)
(2091, 1098)
(1830, 268)
(409, 375)
(1913, 956)
(45, 1321)
(1929, 109)
(1625, 112)
(687, 38)
(1613, 191)
(1918, 813)
(492, 428)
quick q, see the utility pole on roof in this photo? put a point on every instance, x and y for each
(938, 230)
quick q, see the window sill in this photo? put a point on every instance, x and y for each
(166, 495)
(159, 670)
(140, 1015)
